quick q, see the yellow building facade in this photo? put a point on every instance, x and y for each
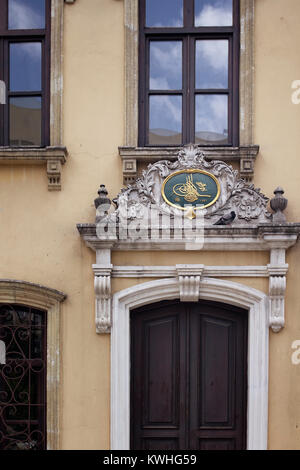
(48, 262)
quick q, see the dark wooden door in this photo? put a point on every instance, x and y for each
(188, 376)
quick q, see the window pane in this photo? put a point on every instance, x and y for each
(26, 14)
(25, 66)
(213, 12)
(165, 120)
(164, 13)
(211, 64)
(211, 115)
(25, 120)
(165, 65)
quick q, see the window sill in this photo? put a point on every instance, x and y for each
(245, 155)
(54, 157)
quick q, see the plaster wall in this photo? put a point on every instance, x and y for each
(39, 241)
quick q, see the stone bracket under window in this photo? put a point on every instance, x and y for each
(53, 157)
(132, 156)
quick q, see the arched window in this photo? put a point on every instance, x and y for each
(23, 378)
(30, 371)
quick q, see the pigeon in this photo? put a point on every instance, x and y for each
(226, 219)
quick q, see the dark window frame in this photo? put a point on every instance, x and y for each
(188, 34)
(25, 35)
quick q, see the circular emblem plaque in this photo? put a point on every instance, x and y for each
(190, 188)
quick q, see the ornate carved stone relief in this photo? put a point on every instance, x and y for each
(249, 204)
(240, 208)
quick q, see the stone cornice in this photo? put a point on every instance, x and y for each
(246, 155)
(262, 237)
(32, 155)
(171, 271)
(152, 154)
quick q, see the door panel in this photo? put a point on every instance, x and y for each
(157, 346)
(216, 444)
(189, 369)
(161, 372)
(218, 377)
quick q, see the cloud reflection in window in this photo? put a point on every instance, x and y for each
(211, 119)
(211, 63)
(164, 13)
(165, 65)
(213, 12)
(26, 14)
(165, 120)
(25, 66)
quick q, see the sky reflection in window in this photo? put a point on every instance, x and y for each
(213, 12)
(164, 13)
(26, 14)
(165, 65)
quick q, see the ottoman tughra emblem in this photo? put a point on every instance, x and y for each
(190, 187)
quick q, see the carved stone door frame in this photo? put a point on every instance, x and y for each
(232, 293)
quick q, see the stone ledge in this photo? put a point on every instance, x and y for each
(54, 157)
(32, 155)
(263, 237)
(246, 155)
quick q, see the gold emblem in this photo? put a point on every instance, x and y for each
(191, 187)
(189, 191)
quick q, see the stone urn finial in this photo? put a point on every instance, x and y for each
(102, 203)
(278, 205)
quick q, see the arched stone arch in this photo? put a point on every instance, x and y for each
(256, 302)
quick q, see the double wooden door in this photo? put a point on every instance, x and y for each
(188, 376)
